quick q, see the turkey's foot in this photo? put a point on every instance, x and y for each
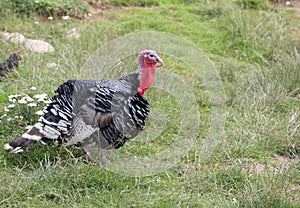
(87, 155)
(103, 159)
(95, 157)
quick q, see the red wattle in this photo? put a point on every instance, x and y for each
(146, 79)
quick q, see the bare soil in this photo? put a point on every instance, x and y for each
(288, 5)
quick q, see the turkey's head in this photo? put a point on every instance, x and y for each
(16, 56)
(13, 60)
(148, 61)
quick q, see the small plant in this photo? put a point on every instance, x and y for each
(252, 4)
(146, 3)
(47, 7)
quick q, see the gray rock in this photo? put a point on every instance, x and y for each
(14, 37)
(38, 46)
(51, 65)
(73, 34)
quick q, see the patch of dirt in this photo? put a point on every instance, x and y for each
(96, 11)
(258, 168)
(279, 164)
(293, 5)
(295, 190)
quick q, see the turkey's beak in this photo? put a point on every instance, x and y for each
(160, 61)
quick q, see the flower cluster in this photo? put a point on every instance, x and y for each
(18, 101)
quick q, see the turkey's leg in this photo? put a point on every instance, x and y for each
(103, 159)
(101, 156)
(87, 151)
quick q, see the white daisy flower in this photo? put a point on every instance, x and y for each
(65, 17)
(22, 101)
(40, 113)
(11, 106)
(29, 99)
(12, 98)
(4, 115)
(32, 104)
(41, 97)
(25, 99)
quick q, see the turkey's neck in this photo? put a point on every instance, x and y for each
(147, 76)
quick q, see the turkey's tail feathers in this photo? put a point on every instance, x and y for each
(17, 145)
(21, 143)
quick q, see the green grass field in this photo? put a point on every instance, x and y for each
(255, 49)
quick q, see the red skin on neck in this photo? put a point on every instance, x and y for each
(147, 77)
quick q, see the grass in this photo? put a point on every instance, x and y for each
(256, 162)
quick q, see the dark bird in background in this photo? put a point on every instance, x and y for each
(107, 112)
(11, 62)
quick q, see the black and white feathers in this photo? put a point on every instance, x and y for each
(84, 109)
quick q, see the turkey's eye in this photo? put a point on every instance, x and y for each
(152, 56)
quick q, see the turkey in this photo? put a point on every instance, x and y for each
(105, 112)
(11, 62)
